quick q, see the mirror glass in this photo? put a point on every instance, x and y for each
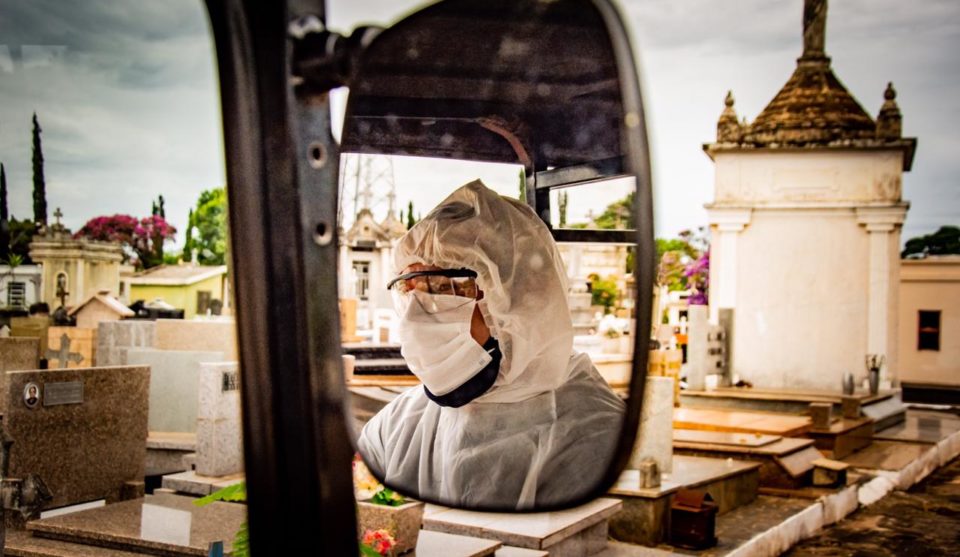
(487, 254)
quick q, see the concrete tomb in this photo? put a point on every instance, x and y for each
(16, 354)
(208, 336)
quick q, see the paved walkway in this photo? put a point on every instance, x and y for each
(924, 521)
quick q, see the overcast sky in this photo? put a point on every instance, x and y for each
(127, 95)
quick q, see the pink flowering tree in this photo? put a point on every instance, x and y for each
(698, 280)
(142, 240)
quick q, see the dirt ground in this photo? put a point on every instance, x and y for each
(924, 521)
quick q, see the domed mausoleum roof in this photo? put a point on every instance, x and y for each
(813, 109)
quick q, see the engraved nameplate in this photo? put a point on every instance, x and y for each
(230, 381)
(63, 392)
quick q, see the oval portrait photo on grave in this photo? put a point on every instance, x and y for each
(31, 395)
(495, 269)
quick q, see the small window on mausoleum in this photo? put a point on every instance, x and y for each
(16, 294)
(928, 331)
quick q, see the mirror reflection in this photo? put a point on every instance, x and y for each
(487, 254)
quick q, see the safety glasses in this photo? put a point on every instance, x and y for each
(453, 282)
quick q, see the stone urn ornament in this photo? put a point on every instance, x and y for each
(848, 383)
(874, 362)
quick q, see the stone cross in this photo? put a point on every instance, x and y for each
(58, 214)
(814, 28)
(62, 290)
(64, 356)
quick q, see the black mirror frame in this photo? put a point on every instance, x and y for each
(282, 166)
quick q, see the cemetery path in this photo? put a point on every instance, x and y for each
(924, 521)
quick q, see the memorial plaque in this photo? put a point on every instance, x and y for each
(63, 392)
(230, 382)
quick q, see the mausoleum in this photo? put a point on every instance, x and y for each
(806, 224)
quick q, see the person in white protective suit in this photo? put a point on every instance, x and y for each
(508, 415)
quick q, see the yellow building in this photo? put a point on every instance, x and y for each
(195, 289)
(930, 321)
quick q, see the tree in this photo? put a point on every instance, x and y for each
(945, 241)
(523, 186)
(188, 241)
(142, 240)
(676, 255)
(563, 201)
(21, 234)
(39, 184)
(617, 215)
(4, 216)
(210, 226)
(698, 277)
(410, 220)
(158, 208)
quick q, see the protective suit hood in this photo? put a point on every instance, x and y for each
(520, 273)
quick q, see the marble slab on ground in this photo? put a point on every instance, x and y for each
(207, 336)
(884, 410)
(438, 543)
(921, 429)
(86, 450)
(174, 385)
(17, 354)
(120, 525)
(192, 483)
(115, 337)
(771, 524)
(529, 530)
(219, 426)
(732, 421)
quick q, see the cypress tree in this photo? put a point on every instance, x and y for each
(4, 216)
(39, 185)
(188, 242)
(410, 220)
(522, 194)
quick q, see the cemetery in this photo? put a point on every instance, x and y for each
(762, 423)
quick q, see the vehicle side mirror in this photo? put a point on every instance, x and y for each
(550, 87)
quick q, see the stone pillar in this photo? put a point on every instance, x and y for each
(728, 224)
(883, 227)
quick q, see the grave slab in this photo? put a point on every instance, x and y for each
(921, 428)
(887, 412)
(120, 525)
(786, 463)
(438, 543)
(578, 531)
(731, 421)
(115, 337)
(85, 435)
(174, 385)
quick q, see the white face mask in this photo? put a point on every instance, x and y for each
(436, 343)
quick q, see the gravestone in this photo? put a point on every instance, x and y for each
(213, 336)
(706, 350)
(115, 337)
(174, 384)
(82, 431)
(16, 354)
(655, 436)
(83, 343)
(219, 426)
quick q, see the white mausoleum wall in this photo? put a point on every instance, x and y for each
(931, 284)
(801, 299)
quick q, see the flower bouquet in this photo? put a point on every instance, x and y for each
(382, 510)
